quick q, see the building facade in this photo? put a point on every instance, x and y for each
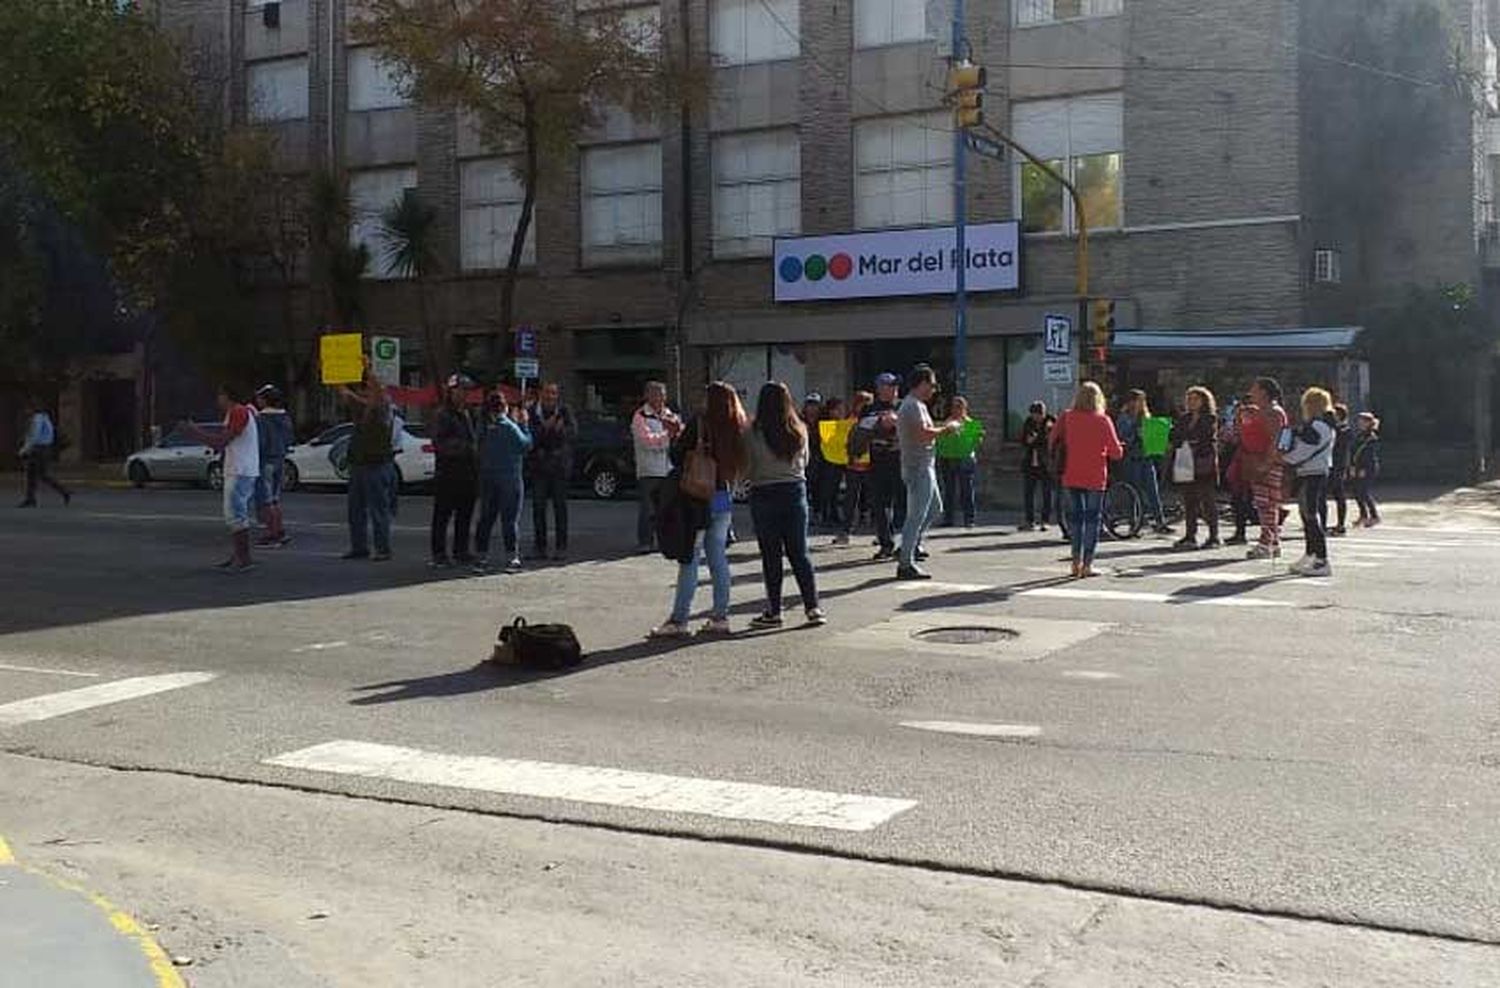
(1220, 148)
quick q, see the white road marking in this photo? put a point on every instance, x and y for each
(592, 784)
(914, 586)
(975, 730)
(1210, 577)
(1089, 674)
(1143, 597)
(51, 705)
(321, 646)
(7, 667)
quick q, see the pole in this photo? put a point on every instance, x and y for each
(960, 217)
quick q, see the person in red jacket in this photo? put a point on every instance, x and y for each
(1262, 463)
(1085, 442)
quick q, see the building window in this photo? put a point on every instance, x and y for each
(277, 90)
(490, 198)
(1081, 138)
(757, 191)
(1326, 266)
(622, 202)
(1048, 11)
(903, 171)
(639, 22)
(890, 22)
(744, 31)
(371, 193)
(372, 84)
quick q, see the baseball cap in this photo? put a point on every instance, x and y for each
(812, 396)
(886, 379)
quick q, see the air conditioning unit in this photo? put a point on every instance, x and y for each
(270, 15)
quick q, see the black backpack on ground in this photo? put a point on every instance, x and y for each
(538, 646)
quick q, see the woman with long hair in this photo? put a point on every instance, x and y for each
(777, 446)
(1198, 430)
(718, 432)
(1140, 469)
(1311, 455)
(1263, 465)
(1364, 467)
(1084, 441)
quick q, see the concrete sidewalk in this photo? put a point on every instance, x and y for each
(56, 935)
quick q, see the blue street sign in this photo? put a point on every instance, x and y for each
(525, 341)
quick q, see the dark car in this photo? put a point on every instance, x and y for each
(604, 456)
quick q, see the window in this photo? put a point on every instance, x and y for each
(889, 22)
(1081, 138)
(743, 31)
(371, 193)
(490, 197)
(1048, 11)
(903, 171)
(277, 90)
(622, 202)
(1326, 266)
(372, 85)
(757, 191)
(640, 23)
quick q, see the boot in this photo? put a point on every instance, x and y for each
(240, 561)
(278, 526)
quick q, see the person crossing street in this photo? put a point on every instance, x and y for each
(36, 453)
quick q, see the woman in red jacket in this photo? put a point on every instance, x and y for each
(1084, 442)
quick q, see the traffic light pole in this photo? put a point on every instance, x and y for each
(960, 219)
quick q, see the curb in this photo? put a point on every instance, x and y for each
(157, 962)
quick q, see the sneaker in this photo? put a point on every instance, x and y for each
(1301, 566)
(226, 564)
(921, 555)
(380, 557)
(355, 554)
(235, 568)
(1212, 543)
(670, 629)
(1186, 542)
(514, 566)
(766, 620)
(715, 626)
(439, 562)
(842, 539)
(816, 617)
(1319, 567)
(1259, 551)
(1338, 531)
(481, 566)
(1371, 523)
(1028, 527)
(912, 573)
(885, 554)
(1236, 540)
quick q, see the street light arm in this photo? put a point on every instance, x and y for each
(1082, 280)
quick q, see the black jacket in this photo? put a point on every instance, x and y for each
(1036, 458)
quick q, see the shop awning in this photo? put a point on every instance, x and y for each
(1299, 342)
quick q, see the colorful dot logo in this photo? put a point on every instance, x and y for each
(816, 267)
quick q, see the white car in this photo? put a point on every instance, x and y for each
(324, 460)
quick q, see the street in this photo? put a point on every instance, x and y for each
(1193, 770)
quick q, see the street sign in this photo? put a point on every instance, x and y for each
(526, 341)
(341, 358)
(1057, 335)
(1055, 371)
(385, 359)
(528, 368)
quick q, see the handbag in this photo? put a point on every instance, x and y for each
(1184, 467)
(700, 474)
(537, 646)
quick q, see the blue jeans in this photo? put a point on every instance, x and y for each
(716, 548)
(1141, 474)
(780, 513)
(268, 489)
(958, 488)
(239, 493)
(1084, 510)
(923, 505)
(499, 497)
(370, 506)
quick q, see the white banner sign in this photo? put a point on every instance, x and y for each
(896, 262)
(1056, 371)
(385, 359)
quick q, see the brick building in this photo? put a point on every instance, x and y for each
(1217, 144)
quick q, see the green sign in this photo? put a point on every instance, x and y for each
(1155, 433)
(961, 445)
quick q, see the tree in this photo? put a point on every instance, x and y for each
(534, 74)
(408, 230)
(338, 265)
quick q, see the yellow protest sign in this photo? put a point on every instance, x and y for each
(342, 357)
(835, 437)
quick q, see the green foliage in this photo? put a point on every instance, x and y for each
(409, 237)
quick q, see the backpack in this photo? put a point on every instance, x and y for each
(537, 646)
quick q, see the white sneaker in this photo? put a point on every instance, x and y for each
(1301, 566)
(1318, 567)
(669, 629)
(715, 627)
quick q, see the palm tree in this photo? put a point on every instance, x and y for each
(337, 263)
(408, 233)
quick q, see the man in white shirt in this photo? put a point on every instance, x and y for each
(918, 440)
(36, 454)
(240, 441)
(652, 429)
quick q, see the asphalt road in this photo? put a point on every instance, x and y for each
(1194, 729)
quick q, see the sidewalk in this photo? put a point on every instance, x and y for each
(56, 935)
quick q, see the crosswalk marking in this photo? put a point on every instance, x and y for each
(1145, 597)
(975, 730)
(7, 667)
(51, 705)
(1208, 577)
(592, 784)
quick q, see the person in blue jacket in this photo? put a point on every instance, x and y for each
(504, 440)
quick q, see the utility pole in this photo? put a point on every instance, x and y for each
(965, 80)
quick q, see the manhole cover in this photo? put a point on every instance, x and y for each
(967, 634)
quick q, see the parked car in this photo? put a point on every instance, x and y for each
(604, 457)
(324, 459)
(179, 455)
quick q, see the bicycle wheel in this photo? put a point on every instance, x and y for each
(1123, 513)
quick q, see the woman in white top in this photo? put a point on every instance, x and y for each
(1311, 456)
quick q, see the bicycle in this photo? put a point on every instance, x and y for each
(1121, 515)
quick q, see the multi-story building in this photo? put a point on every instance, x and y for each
(1224, 151)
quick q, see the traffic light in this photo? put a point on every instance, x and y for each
(965, 80)
(1102, 321)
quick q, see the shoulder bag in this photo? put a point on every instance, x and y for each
(700, 474)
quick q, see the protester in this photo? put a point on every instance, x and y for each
(718, 433)
(917, 442)
(653, 428)
(887, 491)
(1311, 455)
(240, 442)
(1364, 467)
(274, 427)
(456, 476)
(857, 475)
(1198, 429)
(1259, 442)
(553, 432)
(777, 448)
(37, 451)
(812, 414)
(1140, 469)
(372, 471)
(1235, 480)
(835, 464)
(958, 462)
(1036, 466)
(1084, 441)
(1338, 477)
(503, 443)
